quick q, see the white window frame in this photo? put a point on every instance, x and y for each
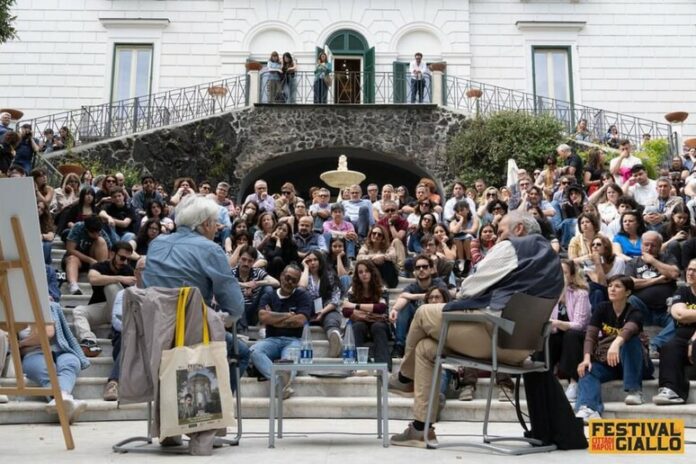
(134, 73)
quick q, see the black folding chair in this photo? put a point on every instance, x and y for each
(523, 325)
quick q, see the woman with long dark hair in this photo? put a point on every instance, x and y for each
(426, 225)
(279, 249)
(44, 192)
(378, 250)
(367, 310)
(155, 210)
(338, 261)
(81, 210)
(592, 177)
(147, 233)
(322, 285)
(627, 243)
(677, 232)
(288, 82)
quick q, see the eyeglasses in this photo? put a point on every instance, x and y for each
(422, 267)
(287, 193)
(323, 194)
(425, 204)
(355, 193)
(488, 195)
(390, 210)
(565, 183)
(205, 187)
(377, 234)
(122, 258)
(690, 270)
(109, 181)
(597, 244)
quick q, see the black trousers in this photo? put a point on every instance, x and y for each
(674, 360)
(389, 274)
(378, 332)
(566, 351)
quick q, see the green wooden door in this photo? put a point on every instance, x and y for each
(369, 81)
(400, 72)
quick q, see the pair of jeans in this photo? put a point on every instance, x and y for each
(265, 351)
(67, 368)
(116, 237)
(321, 90)
(403, 322)
(659, 318)
(47, 246)
(289, 88)
(243, 356)
(362, 222)
(632, 369)
(417, 87)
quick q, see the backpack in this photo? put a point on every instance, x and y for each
(551, 417)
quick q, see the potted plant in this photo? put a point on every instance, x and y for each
(473, 92)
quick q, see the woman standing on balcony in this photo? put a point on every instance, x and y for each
(275, 72)
(289, 84)
(322, 79)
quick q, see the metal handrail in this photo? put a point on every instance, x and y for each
(482, 99)
(124, 117)
(346, 87)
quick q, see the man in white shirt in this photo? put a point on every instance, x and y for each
(621, 165)
(418, 70)
(644, 189)
(458, 191)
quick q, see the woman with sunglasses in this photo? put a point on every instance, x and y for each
(285, 205)
(603, 263)
(378, 250)
(324, 289)
(367, 310)
(426, 225)
(549, 176)
(422, 207)
(494, 212)
(66, 194)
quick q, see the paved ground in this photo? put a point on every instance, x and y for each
(44, 444)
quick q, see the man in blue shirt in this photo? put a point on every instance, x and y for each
(284, 313)
(190, 258)
(359, 211)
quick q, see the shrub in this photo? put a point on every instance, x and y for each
(483, 145)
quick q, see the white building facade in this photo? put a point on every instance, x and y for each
(629, 56)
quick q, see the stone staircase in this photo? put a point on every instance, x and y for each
(353, 397)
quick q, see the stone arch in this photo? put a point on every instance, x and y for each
(381, 168)
(420, 36)
(270, 35)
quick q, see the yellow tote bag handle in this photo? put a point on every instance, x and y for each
(181, 318)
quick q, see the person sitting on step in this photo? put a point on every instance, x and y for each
(107, 278)
(87, 244)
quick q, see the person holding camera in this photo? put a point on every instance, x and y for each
(26, 149)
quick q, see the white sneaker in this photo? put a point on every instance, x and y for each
(586, 414)
(4, 399)
(667, 396)
(262, 333)
(335, 343)
(634, 398)
(572, 392)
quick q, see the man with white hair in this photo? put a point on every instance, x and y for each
(261, 197)
(5, 118)
(573, 162)
(522, 261)
(190, 258)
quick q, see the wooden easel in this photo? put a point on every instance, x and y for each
(22, 389)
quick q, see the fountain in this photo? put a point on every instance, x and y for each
(342, 177)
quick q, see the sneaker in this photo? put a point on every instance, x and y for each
(285, 380)
(262, 333)
(111, 391)
(413, 438)
(572, 392)
(587, 414)
(634, 398)
(397, 352)
(654, 352)
(467, 393)
(90, 348)
(335, 343)
(74, 408)
(75, 289)
(506, 393)
(398, 387)
(667, 396)
(4, 399)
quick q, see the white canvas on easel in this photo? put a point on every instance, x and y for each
(18, 199)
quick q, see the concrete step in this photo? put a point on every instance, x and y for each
(70, 301)
(34, 411)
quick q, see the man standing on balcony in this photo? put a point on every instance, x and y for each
(418, 70)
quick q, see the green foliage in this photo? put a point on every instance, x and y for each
(653, 153)
(483, 145)
(130, 173)
(7, 30)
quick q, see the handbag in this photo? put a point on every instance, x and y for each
(195, 393)
(327, 79)
(368, 317)
(600, 351)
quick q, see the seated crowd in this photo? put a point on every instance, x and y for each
(625, 241)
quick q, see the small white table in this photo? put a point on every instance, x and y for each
(276, 401)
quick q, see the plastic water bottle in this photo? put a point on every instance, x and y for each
(349, 345)
(306, 351)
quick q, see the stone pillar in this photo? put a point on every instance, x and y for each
(254, 83)
(437, 87)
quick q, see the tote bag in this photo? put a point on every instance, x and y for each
(195, 392)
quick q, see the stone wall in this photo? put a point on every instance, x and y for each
(232, 145)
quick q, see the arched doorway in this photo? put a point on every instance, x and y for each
(354, 67)
(303, 170)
